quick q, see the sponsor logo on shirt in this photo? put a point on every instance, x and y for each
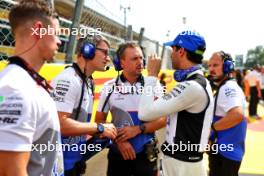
(8, 120)
(2, 99)
(230, 92)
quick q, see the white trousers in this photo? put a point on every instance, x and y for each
(174, 167)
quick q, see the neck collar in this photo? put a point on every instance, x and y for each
(36, 77)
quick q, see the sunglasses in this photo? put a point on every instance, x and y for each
(105, 51)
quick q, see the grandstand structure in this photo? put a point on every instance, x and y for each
(113, 30)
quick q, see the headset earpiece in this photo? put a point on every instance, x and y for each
(88, 51)
(228, 65)
(117, 63)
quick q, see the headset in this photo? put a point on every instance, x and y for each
(228, 65)
(88, 50)
(117, 58)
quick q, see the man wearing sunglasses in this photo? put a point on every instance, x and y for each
(73, 95)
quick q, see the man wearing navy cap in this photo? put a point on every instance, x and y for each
(188, 107)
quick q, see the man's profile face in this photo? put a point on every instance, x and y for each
(175, 58)
(132, 61)
(101, 57)
(49, 43)
(215, 66)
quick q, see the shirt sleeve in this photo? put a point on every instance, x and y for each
(184, 96)
(105, 91)
(17, 120)
(66, 94)
(229, 97)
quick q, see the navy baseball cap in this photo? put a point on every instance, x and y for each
(189, 40)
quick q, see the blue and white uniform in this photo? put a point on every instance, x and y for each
(67, 93)
(231, 96)
(126, 97)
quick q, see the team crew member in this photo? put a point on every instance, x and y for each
(188, 107)
(229, 120)
(253, 91)
(28, 116)
(74, 99)
(134, 152)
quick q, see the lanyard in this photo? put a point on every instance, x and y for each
(36, 77)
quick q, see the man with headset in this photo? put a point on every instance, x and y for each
(74, 99)
(28, 117)
(134, 151)
(188, 107)
(229, 123)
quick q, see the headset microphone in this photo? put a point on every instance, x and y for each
(106, 68)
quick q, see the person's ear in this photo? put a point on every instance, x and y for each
(181, 51)
(37, 30)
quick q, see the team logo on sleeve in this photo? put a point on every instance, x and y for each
(230, 92)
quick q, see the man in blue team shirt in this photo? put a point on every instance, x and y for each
(229, 123)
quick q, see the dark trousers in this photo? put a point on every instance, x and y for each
(253, 102)
(141, 166)
(221, 166)
(80, 166)
(77, 170)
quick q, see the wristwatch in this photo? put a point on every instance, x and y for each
(142, 128)
(100, 128)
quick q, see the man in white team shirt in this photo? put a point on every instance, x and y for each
(229, 122)
(188, 107)
(29, 124)
(74, 99)
(133, 152)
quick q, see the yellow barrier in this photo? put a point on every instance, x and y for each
(49, 71)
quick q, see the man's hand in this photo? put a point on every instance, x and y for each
(127, 150)
(110, 131)
(247, 98)
(154, 64)
(127, 132)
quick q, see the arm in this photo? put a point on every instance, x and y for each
(70, 127)
(126, 149)
(259, 89)
(247, 88)
(233, 117)
(184, 96)
(100, 117)
(230, 105)
(16, 137)
(13, 163)
(128, 132)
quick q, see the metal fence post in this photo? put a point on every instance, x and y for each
(75, 24)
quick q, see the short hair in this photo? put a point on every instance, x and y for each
(122, 47)
(30, 10)
(195, 58)
(192, 56)
(93, 39)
